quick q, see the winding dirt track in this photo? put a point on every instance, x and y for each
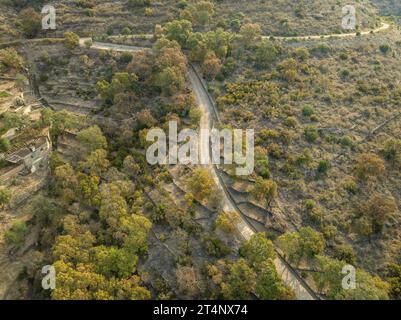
(289, 276)
(209, 113)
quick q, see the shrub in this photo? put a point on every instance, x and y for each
(344, 73)
(266, 54)
(71, 40)
(307, 110)
(4, 144)
(313, 211)
(393, 276)
(346, 141)
(215, 247)
(138, 3)
(369, 165)
(379, 207)
(182, 4)
(201, 184)
(16, 234)
(29, 22)
(249, 32)
(350, 186)
(226, 221)
(10, 58)
(265, 190)
(5, 197)
(126, 57)
(257, 249)
(392, 151)
(211, 65)
(149, 12)
(330, 231)
(385, 48)
(345, 253)
(310, 204)
(291, 122)
(302, 53)
(321, 49)
(323, 167)
(126, 31)
(311, 134)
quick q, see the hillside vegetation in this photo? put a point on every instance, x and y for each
(325, 192)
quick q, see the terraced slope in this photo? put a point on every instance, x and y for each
(290, 18)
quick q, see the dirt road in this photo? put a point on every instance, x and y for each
(288, 275)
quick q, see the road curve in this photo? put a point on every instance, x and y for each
(289, 276)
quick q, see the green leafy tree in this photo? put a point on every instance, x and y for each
(64, 120)
(71, 40)
(305, 244)
(211, 66)
(269, 284)
(89, 189)
(4, 144)
(96, 163)
(136, 229)
(249, 32)
(114, 262)
(170, 81)
(329, 278)
(266, 53)
(44, 210)
(15, 236)
(241, 281)
(201, 184)
(258, 249)
(198, 13)
(66, 182)
(29, 22)
(162, 43)
(113, 207)
(76, 248)
(92, 139)
(121, 83)
(218, 41)
(393, 277)
(178, 30)
(79, 283)
(264, 190)
(379, 208)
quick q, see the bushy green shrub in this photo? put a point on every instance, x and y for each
(307, 110)
(311, 134)
(16, 234)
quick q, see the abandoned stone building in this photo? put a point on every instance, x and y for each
(27, 156)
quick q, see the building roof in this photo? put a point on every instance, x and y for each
(23, 152)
